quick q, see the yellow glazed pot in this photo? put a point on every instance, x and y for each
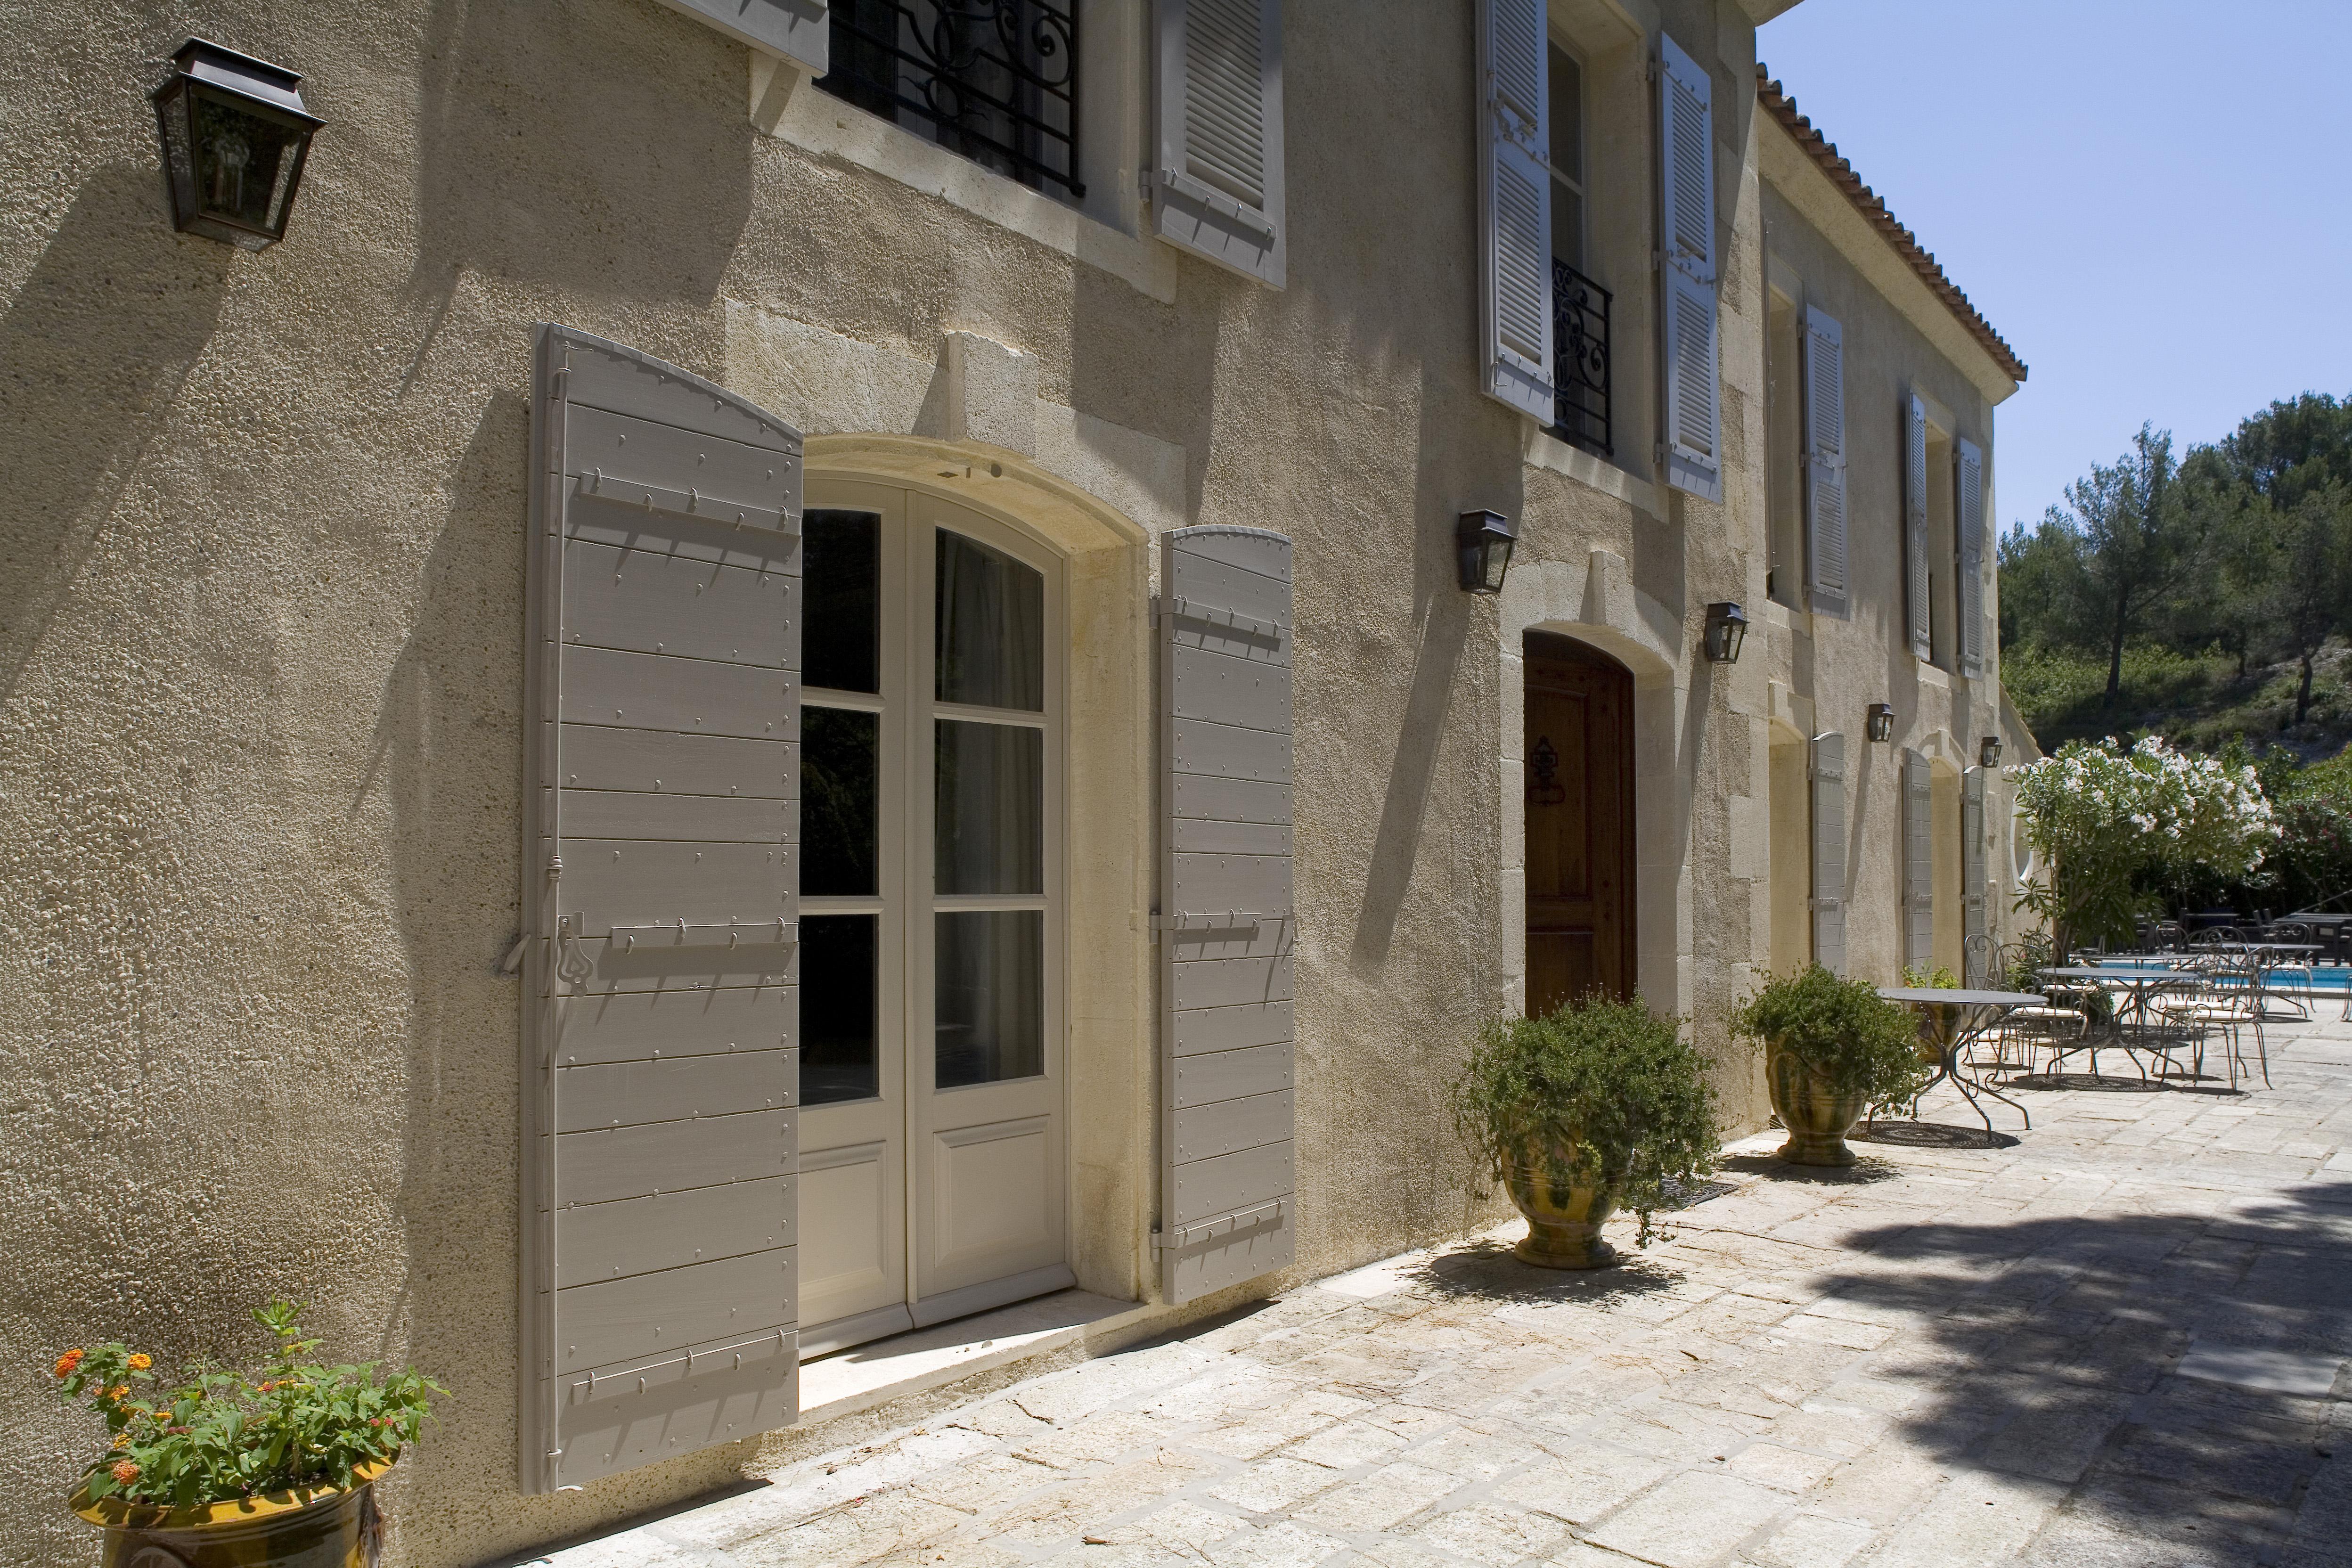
(1563, 1224)
(1818, 1118)
(320, 1526)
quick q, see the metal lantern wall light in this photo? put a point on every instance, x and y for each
(1879, 724)
(235, 134)
(1482, 543)
(1726, 628)
(1989, 751)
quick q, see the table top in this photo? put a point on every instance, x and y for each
(1925, 994)
(2142, 976)
(2259, 947)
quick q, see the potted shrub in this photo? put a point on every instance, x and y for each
(1590, 1109)
(228, 1470)
(1832, 1049)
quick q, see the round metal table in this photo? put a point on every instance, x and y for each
(1957, 1018)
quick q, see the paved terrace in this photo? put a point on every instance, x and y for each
(2120, 1342)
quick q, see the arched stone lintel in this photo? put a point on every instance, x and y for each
(994, 479)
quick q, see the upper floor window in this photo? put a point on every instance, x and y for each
(994, 80)
(1566, 111)
(1580, 307)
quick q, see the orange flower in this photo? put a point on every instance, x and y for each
(66, 1362)
(141, 1361)
(119, 1391)
(126, 1472)
(122, 1439)
(264, 1387)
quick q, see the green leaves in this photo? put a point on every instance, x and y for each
(221, 1434)
(1843, 1030)
(1598, 1092)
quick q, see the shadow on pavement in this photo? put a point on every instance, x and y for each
(1929, 1135)
(1487, 1271)
(2179, 1378)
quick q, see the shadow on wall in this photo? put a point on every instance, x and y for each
(93, 352)
(448, 754)
(603, 151)
(2167, 1374)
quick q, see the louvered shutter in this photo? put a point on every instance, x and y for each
(1515, 207)
(662, 888)
(1919, 862)
(1970, 528)
(1227, 1212)
(1976, 936)
(1915, 529)
(1217, 179)
(799, 30)
(1828, 901)
(1687, 163)
(1825, 550)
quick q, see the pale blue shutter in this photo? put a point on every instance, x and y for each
(661, 890)
(1515, 207)
(1970, 525)
(798, 30)
(1217, 176)
(1226, 928)
(1918, 861)
(1976, 930)
(1828, 903)
(1828, 592)
(1694, 436)
(1918, 587)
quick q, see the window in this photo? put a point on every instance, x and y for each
(1943, 553)
(1580, 306)
(995, 80)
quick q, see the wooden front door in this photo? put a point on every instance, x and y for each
(1578, 769)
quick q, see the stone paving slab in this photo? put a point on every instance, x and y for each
(2121, 1339)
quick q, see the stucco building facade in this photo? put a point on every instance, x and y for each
(1054, 480)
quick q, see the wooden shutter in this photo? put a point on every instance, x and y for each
(798, 30)
(1828, 592)
(1687, 164)
(1976, 932)
(1969, 526)
(1217, 180)
(661, 891)
(1515, 207)
(1918, 861)
(1226, 930)
(1828, 901)
(1915, 529)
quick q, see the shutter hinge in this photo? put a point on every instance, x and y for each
(1650, 69)
(1143, 183)
(559, 384)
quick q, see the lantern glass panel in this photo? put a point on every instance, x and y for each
(1495, 559)
(246, 161)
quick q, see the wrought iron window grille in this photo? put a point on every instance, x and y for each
(994, 80)
(1579, 324)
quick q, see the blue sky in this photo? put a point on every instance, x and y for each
(2150, 200)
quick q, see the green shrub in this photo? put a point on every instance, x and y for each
(222, 1435)
(1603, 1093)
(1843, 1030)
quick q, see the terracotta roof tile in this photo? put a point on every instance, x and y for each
(1783, 108)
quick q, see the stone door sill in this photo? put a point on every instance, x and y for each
(882, 1370)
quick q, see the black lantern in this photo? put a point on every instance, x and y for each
(1483, 541)
(1880, 725)
(235, 135)
(1989, 751)
(1726, 628)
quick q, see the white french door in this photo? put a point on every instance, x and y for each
(932, 1180)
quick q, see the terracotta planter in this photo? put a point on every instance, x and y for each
(1809, 1105)
(1563, 1224)
(318, 1528)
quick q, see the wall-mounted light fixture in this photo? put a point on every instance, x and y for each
(236, 134)
(1483, 542)
(1989, 751)
(1726, 628)
(1880, 725)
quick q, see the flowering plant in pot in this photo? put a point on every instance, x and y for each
(1592, 1107)
(1832, 1049)
(231, 1471)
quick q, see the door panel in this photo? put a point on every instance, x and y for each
(1578, 770)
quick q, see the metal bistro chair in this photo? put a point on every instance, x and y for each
(2292, 979)
(2061, 1021)
(2225, 1001)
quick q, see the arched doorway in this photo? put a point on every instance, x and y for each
(1579, 774)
